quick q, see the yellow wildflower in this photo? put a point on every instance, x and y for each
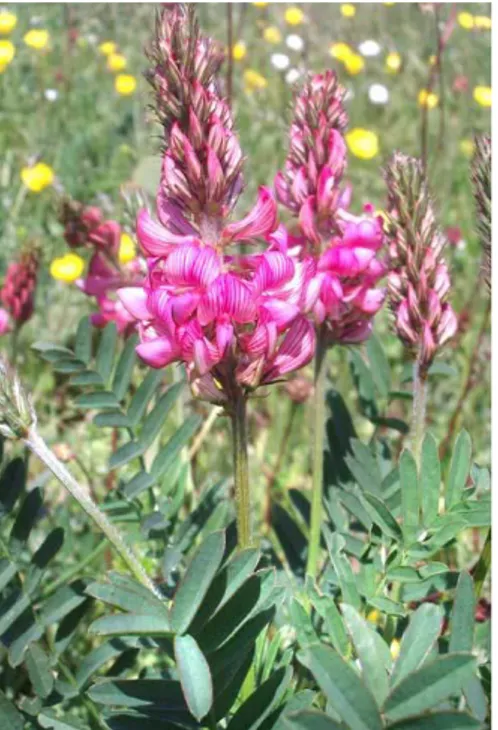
(395, 645)
(348, 10)
(482, 22)
(260, 5)
(254, 80)
(127, 249)
(341, 51)
(116, 62)
(272, 34)
(483, 95)
(38, 177)
(107, 47)
(354, 64)
(465, 20)
(432, 60)
(8, 22)
(362, 143)
(294, 16)
(67, 268)
(393, 62)
(239, 51)
(7, 53)
(125, 84)
(373, 616)
(428, 98)
(467, 147)
(37, 39)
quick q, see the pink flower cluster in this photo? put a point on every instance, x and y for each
(85, 226)
(18, 291)
(233, 320)
(339, 251)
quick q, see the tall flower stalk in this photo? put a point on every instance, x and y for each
(336, 250)
(18, 421)
(233, 319)
(418, 281)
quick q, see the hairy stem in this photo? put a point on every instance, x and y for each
(241, 473)
(419, 410)
(318, 440)
(34, 441)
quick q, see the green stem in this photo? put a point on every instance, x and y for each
(482, 566)
(34, 441)
(318, 441)
(419, 411)
(241, 472)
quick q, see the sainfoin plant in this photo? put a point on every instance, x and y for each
(350, 611)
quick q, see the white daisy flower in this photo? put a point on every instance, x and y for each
(51, 94)
(369, 48)
(378, 94)
(292, 75)
(280, 61)
(294, 42)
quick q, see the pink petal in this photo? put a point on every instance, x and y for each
(274, 270)
(260, 221)
(229, 296)
(172, 217)
(154, 238)
(307, 220)
(370, 300)
(280, 312)
(296, 350)
(134, 300)
(158, 353)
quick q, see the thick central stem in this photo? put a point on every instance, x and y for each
(419, 410)
(241, 474)
(318, 440)
(40, 448)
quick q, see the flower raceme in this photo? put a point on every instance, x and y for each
(337, 250)
(234, 320)
(19, 287)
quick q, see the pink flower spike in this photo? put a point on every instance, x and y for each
(155, 239)
(260, 221)
(134, 300)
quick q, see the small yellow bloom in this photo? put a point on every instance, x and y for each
(125, 84)
(272, 34)
(395, 645)
(254, 80)
(127, 249)
(482, 22)
(432, 60)
(341, 51)
(260, 5)
(362, 143)
(466, 20)
(38, 177)
(373, 616)
(37, 39)
(428, 98)
(348, 10)
(8, 22)
(354, 64)
(67, 268)
(7, 53)
(116, 62)
(467, 147)
(393, 62)
(294, 16)
(239, 51)
(107, 47)
(483, 95)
